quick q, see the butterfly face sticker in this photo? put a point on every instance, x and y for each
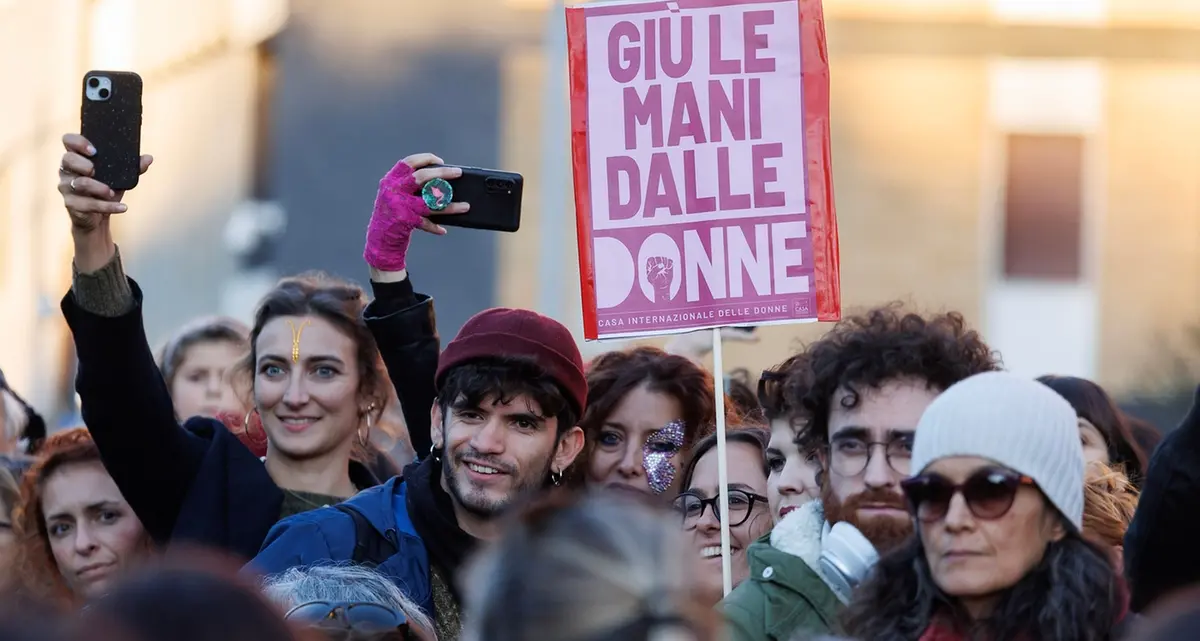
(661, 447)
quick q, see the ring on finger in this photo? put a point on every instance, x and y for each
(73, 183)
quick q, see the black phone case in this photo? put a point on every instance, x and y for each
(114, 127)
(495, 198)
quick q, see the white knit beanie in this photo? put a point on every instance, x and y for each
(1014, 421)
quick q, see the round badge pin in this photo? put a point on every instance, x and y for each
(437, 194)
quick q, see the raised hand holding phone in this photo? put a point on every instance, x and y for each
(400, 209)
(89, 202)
(102, 163)
(111, 119)
(495, 198)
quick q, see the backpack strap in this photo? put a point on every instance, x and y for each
(370, 547)
(404, 524)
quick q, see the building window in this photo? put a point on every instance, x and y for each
(1043, 208)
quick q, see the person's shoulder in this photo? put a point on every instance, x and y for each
(206, 428)
(744, 612)
(321, 519)
(308, 536)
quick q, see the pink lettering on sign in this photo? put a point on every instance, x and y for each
(692, 157)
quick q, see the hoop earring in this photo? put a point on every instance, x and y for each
(433, 452)
(556, 478)
(364, 436)
(246, 422)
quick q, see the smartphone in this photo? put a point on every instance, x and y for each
(495, 198)
(111, 119)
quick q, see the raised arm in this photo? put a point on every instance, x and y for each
(401, 320)
(403, 324)
(125, 402)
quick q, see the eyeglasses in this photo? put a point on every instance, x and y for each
(849, 455)
(989, 494)
(741, 503)
(353, 616)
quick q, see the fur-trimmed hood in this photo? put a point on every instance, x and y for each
(801, 534)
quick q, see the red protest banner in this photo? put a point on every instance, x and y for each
(700, 148)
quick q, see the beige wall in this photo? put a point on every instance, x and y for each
(1151, 240)
(198, 64)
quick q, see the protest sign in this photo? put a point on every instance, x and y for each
(700, 149)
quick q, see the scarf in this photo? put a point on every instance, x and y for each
(432, 516)
(940, 630)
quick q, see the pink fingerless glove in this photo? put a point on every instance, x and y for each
(398, 211)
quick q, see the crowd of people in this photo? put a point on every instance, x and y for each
(332, 470)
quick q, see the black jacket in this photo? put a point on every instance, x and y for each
(200, 484)
(1162, 553)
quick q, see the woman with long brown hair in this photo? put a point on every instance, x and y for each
(75, 531)
(313, 371)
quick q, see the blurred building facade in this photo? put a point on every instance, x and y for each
(1031, 164)
(202, 64)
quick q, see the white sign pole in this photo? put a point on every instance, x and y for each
(718, 372)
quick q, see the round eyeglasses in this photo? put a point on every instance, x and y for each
(849, 455)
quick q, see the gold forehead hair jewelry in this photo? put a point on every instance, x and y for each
(296, 332)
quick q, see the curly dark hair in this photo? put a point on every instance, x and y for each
(504, 378)
(742, 397)
(612, 375)
(869, 350)
(771, 396)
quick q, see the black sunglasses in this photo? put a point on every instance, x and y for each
(349, 615)
(989, 494)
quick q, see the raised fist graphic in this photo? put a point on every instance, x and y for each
(660, 271)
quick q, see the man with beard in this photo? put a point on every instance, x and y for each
(854, 398)
(506, 395)
(510, 390)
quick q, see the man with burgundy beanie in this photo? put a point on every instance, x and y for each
(510, 391)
